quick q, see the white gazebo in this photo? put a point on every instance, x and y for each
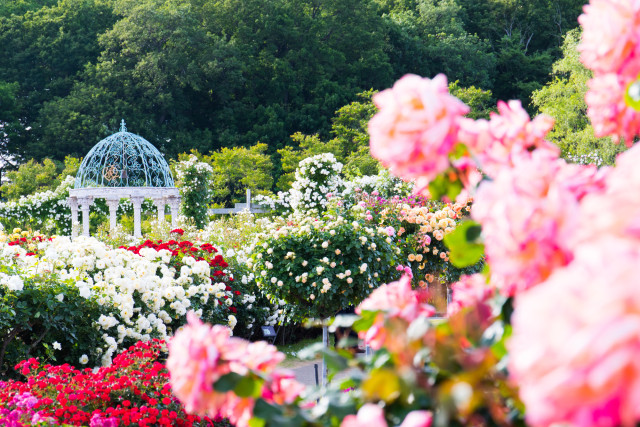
(123, 165)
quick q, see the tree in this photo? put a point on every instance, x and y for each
(480, 101)
(10, 126)
(563, 99)
(237, 169)
(520, 71)
(29, 178)
(43, 51)
(431, 39)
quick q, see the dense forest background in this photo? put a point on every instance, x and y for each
(207, 74)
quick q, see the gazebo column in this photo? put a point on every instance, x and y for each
(174, 204)
(113, 212)
(73, 204)
(137, 209)
(85, 203)
(160, 204)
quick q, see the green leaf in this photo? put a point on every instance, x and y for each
(257, 422)
(632, 95)
(463, 250)
(365, 322)
(227, 382)
(264, 410)
(442, 186)
(249, 387)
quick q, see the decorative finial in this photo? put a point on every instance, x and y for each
(123, 127)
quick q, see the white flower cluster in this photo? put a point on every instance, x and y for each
(191, 174)
(47, 208)
(191, 162)
(142, 292)
(316, 178)
(586, 159)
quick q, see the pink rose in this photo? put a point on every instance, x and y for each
(528, 215)
(575, 344)
(509, 135)
(608, 111)
(610, 36)
(397, 300)
(416, 127)
(469, 291)
(369, 415)
(418, 419)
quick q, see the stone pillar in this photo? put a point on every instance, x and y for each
(174, 204)
(73, 204)
(160, 204)
(137, 208)
(85, 206)
(113, 212)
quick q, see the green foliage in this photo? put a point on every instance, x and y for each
(361, 163)
(463, 244)
(29, 178)
(32, 177)
(70, 168)
(9, 118)
(480, 101)
(429, 38)
(237, 169)
(350, 123)
(208, 74)
(44, 49)
(563, 99)
(45, 311)
(521, 71)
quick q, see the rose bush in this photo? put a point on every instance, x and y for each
(321, 265)
(133, 390)
(84, 293)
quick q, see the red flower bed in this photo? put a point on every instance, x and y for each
(133, 390)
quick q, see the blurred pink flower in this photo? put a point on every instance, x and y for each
(575, 344)
(528, 214)
(615, 211)
(282, 388)
(369, 415)
(200, 354)
(509, 135)
(416, 127)
(194, 365)
(397, 300)
(418, 419)
(608, 111)
(469, 291)
(261, 356)
(610, 36)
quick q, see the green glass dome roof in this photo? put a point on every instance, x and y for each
(124, 159)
